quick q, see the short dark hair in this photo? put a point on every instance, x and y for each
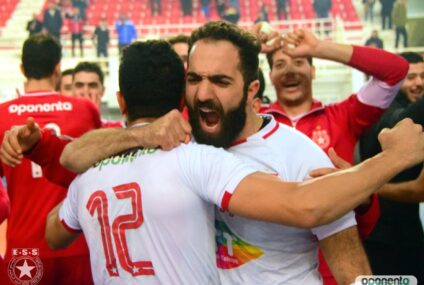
(178, 39)
(40, 55)
(270, 58)
(92, 67)
(151, 79)
(247, 44)
(412, 57)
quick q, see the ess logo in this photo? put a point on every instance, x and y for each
(25, 267)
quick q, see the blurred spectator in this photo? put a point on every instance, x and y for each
(374, 40)
(231, 14)
(206, 8)
(322, 8)
(34, 26)
(399, 17)
(186, 7)
(220, 7)
(101, 38)
(76, 27)
(180, 44)
(396, 245)
(281, 8)
(126, 32)
(155, 7)
(262, 14)
(53, 21)
(64, 86)
(369, 9)
(82, 7)
(386, 13)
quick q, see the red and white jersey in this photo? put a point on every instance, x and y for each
(255, 252)
(148, 214)
(31, 195)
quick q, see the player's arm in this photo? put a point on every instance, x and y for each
(406, 192)
(167, 132)
(57, 235)
(345, 255)
(322, 200)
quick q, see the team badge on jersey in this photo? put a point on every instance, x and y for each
(25, 267)
(321, 138)
(232, 252)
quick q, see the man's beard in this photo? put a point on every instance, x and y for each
(232, 123)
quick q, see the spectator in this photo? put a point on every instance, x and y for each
(220, 7)
(126, 32)
(281, 9)
(76, 26)
(206, 8)
(82, 7)
(322, 8)
(64, 86)
(186, 7)
(396, 245)
(53, 21)
(399, 17)
(101, 38)
(180, 44)
(369, 9)
(386, 13)
(374, 40)
(231, 14)
(34, 26)
(262, 14)
(155, 7)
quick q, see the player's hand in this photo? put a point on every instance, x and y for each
(269, 38)
(338, 162)
(167, 132)
(18, 140)
(300, 43)
(405, 142)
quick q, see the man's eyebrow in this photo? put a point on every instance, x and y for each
(220, 77)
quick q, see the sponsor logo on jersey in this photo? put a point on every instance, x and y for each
(25, 267)
(124, 158)
(40, 108)
(232, 252)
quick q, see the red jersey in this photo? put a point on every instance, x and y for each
(31, 195)
(341, 124)
(4, 204)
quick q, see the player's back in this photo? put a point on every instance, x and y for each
(148, 214)
(31, 195)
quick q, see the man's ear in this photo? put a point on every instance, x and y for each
(252, 90)
(121, 102)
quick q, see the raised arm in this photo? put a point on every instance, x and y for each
(167, 132)
(324, 199)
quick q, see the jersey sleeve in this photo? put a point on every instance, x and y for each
(387, 70)
(368, 219)
(47, 154)
(213, 173)
(4, 203)
(68, 212)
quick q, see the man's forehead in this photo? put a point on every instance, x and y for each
(416, 67)
(84, 76)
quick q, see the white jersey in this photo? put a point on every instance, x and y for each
(255, 252)
(148, 215)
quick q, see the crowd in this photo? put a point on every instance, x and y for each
(204, 186)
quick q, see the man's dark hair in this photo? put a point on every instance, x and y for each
(247, 44)
(178, 39)
(151, 79)
(412, 57)
(92, 67)
(270, 58)
(40, 55)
